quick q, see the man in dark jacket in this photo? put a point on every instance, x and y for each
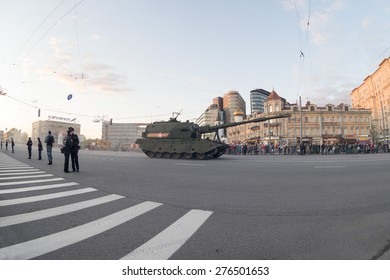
(49, 140)
(29, 147)
(74, 152)
(71, 147)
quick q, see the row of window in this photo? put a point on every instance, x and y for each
(330, 119)
(331, 130)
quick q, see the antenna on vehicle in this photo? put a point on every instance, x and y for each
(174, 118)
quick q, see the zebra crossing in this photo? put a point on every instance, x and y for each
(29, 197)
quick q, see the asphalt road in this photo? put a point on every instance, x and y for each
(235, 207)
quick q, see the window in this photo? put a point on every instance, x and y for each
(270, 108)
(329, 108)
(312, 108)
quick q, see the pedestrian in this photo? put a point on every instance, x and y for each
(12, 145)
(49, 140)
(71, 146)
(6, 145)
(74, 154)
(1, 143)
(29, 147)
(40, 148)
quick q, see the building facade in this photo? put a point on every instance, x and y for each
(213, 115)
(374, 94)
(258, 97)
(122, 136)
(232, 102)
(58, 130)
(312, 124)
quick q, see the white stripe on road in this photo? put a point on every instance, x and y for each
(42, 214)
(333, 166)
(30, 182)
(16, 167)
(18, 170)
(43, 245)
(166, 243)
(25, 177)
(22, 173)
(44, 197)
(190, 164)
(36, 188)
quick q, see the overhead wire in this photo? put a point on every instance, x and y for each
(31, 36)
(33, 47)
(303, 45)
(49, 29)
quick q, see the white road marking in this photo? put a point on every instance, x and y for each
(30, 182)
(166, 243)
(42, 214)
(44, 197)
(45, 187)
(22, 173)
(18, 170)
(43, 245)
(25, 177)
(331, 166)
(190, 164)
(16, 167)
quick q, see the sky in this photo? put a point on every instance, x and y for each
(141, 60)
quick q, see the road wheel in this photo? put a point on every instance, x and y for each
(201, 156)
(166, 155)
(187, 155)
(150, 154)
(176, 155)
(158, 154)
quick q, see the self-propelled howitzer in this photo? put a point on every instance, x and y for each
(184, 139)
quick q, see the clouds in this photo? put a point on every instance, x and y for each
(320, 16)
(323, 23)
(83, 72)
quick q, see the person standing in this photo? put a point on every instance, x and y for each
(66, 149)
(49, 140)
(1, 143)
(6, 145)
(12, 145)
(40, 148)
(71, 145)
(74, 151)
(29, 147)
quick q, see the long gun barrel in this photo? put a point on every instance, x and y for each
(209, 128)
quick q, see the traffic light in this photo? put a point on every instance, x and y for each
(39, 113)
(110, 121)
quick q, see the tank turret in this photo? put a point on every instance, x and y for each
(184, 139)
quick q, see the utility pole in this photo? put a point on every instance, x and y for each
(300, 117)
(269, 130)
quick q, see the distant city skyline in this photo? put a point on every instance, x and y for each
(139, 61)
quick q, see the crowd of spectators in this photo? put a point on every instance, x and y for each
(307, 149)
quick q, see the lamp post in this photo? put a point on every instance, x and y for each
(269, 129)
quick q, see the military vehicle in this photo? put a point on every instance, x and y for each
(175, 139)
